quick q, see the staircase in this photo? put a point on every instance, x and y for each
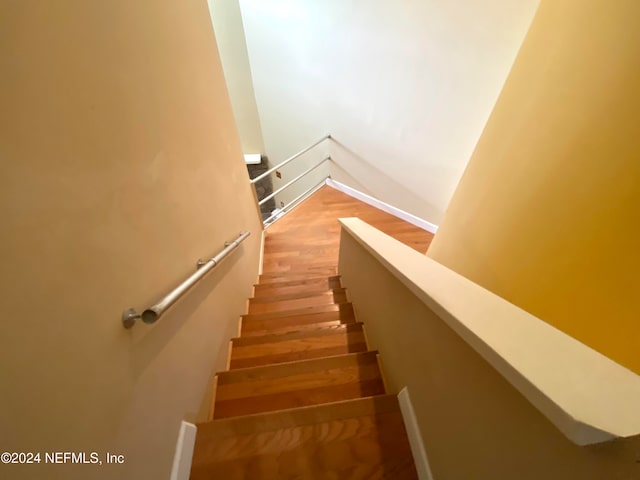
(303, 396)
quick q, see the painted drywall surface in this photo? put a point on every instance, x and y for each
(404, 87)
(227, 23)
(114, 129)
(586, 395)
(474, 424)
(546, 213)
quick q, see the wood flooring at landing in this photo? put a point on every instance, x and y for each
(307, 240)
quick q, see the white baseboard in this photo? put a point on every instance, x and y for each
(385, 207)
(261, 259)
(184, 452)
(415, 439)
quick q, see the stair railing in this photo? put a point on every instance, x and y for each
(294, 202)
(290, 159)
(280, 211)
(154, 312)
(288, 184)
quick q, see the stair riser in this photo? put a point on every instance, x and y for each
(321, 285)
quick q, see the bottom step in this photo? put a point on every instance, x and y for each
(354, 439)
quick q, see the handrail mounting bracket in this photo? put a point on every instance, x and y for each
(129, 317)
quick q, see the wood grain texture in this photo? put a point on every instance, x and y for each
(362, 438)
(300, 383)
(320, 313)
(297, 345)
(280, 297)
(363, 447)
(307, 240)
(276, 328)
(269, 421)
(311, 285)
(296, 301)
(303, 397)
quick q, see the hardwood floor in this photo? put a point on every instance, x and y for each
(307, 240)
(354, 439)
(275, 348)
(304, 397)
(266, 388)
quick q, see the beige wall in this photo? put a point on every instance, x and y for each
(227, 22)
(474, 424)
(115, 127)
(546, 214)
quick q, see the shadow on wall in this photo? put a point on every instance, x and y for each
(149, 340)
(351, 168)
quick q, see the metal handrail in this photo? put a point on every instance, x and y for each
(288, 184)
(151, 314)
(293, 157)
(294, 202)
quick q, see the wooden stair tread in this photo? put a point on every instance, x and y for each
(299, 345)
(275, 328)
(356, 448)
(311, 282)
(327, 298)
(306, 279)
(342, 312)
(337, 307)
(307, 382)
(291, 276)
(299, 295)
(357, 438)
(275, 290)
(292, 417)
(298, 367)
(283, 337)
